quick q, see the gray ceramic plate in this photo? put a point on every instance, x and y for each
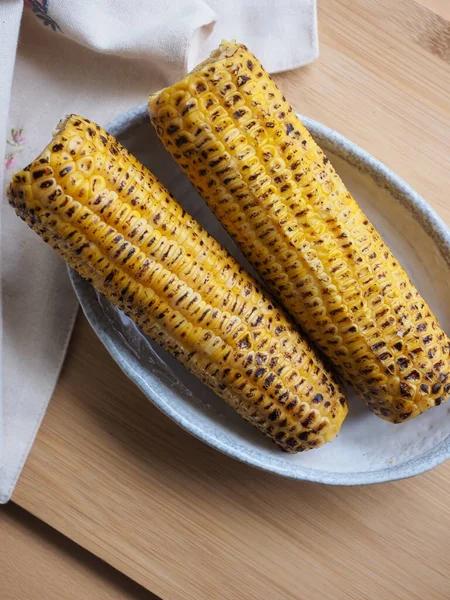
(368, 450)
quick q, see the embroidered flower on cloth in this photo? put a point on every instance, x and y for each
(9, 160)
(40, 9)
(16, 140)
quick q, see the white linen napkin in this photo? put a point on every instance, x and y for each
(96, 58)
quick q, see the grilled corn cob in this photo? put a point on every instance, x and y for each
(115, 223)
(250, 157)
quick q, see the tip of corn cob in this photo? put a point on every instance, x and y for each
(226, 49)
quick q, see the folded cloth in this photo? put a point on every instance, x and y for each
(97, 59)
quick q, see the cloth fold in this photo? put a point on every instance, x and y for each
(97, 59)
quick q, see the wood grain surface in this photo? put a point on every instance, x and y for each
(116, 476)
(37, 562)
(440, 7)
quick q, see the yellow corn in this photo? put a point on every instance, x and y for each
(115, 223)
(249, 156)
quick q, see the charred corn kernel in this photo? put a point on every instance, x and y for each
(249, 156)
(115, 223)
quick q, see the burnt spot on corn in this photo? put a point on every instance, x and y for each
(414, 375)
(242, 79)
(38, 174)
(403, 362)
(274, 415)
(65, 171)
(79, 250)
(406, 390)
(308, 420)
(181, 141)
(436, 388)
(129, 255)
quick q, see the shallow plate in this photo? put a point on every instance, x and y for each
(368, 450)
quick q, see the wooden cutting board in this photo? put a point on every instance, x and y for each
(116, 476)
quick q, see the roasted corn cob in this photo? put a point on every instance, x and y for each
(250, 157)
(113, 222)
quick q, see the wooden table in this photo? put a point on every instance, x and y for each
(118, 478)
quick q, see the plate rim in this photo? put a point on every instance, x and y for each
(427, 218)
